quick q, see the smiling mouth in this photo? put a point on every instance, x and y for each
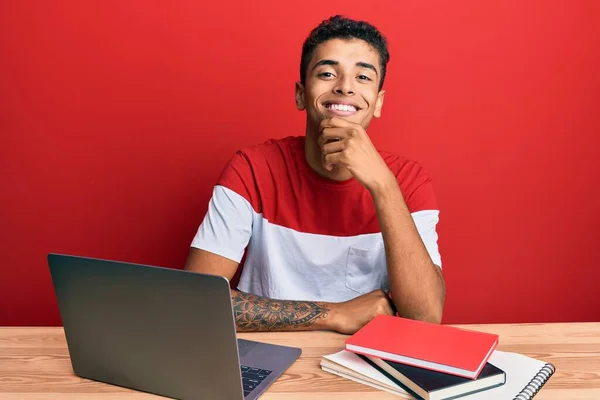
(344, 108)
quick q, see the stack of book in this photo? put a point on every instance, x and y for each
(435, 362)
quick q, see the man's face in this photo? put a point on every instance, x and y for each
(342, 80)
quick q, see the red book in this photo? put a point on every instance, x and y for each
(436, 347)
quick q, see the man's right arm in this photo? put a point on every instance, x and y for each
(255, 313)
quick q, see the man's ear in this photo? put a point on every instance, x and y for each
(300, 105)
(379, 104)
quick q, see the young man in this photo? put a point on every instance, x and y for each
(329, 225)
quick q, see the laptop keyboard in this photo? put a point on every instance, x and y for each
(252, 377)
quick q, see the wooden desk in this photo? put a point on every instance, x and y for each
(34, 364)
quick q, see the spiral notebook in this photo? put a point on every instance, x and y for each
(525, 376)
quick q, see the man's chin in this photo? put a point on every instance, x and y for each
(314, 121)
(354, 118)
(343, 114)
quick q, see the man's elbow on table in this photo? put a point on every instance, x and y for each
(434, 315)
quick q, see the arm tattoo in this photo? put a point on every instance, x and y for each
(254, 313)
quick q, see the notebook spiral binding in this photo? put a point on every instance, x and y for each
(536, 383)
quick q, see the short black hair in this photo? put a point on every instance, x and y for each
(339, 27)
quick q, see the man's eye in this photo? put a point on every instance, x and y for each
(326, 75)
(364, 78)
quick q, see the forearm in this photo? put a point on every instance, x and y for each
(255, 313)
(416, 284)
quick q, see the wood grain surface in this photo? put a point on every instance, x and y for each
(35, 365)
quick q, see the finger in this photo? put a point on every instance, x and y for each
(331, 134)
(340, 133)
(332, 159)
(333, 147)
(393, 309)
(391, 303)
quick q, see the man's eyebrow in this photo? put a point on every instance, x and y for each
(325, 62)
(367, 65)
(361, 64)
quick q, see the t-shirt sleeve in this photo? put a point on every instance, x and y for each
(419, 195)
(227, 225)
(426, 222)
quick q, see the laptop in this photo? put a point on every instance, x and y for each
(159, 330)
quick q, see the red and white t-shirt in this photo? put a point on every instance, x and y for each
(307, 237)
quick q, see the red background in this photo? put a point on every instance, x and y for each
(117, 117)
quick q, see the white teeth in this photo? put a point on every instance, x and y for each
(342, 107)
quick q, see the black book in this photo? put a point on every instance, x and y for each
(432, 385)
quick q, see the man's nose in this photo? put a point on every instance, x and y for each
(344, 86)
